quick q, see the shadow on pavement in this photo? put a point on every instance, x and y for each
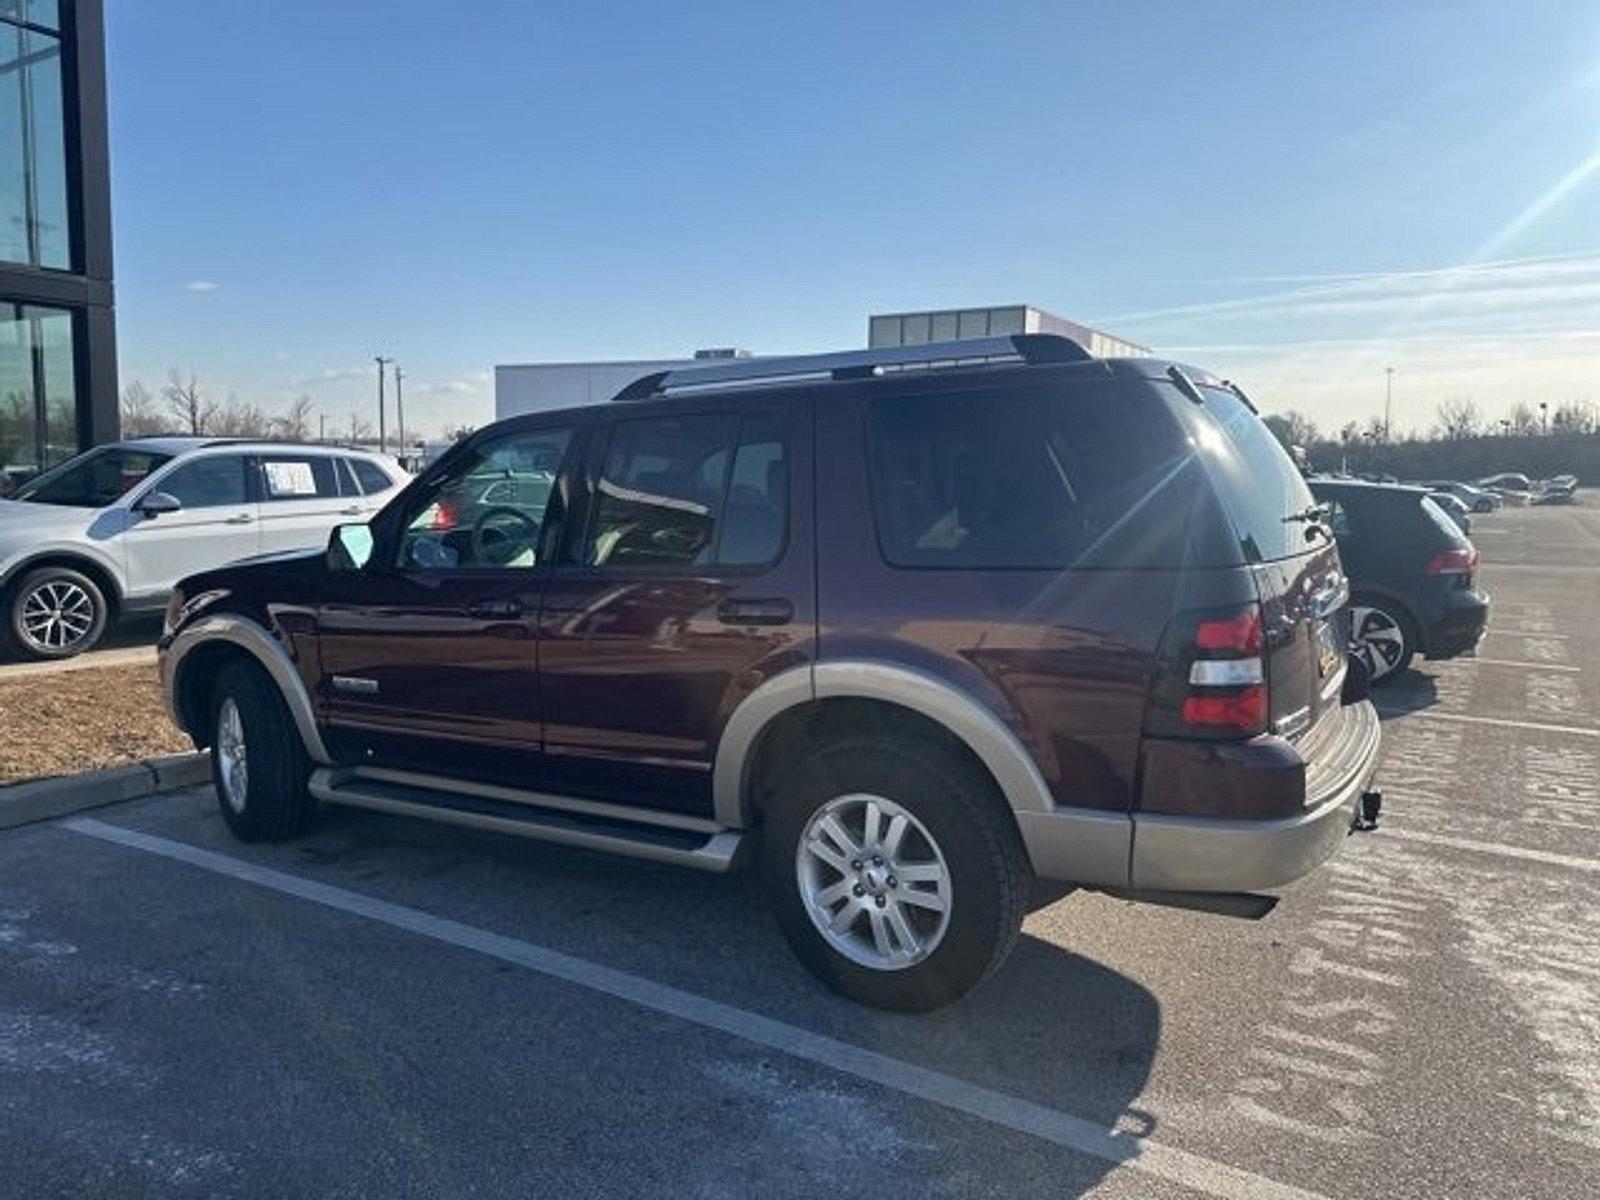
(1410, 693)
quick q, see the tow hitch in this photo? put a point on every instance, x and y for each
(1366, 819)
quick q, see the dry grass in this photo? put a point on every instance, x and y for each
(65, 722)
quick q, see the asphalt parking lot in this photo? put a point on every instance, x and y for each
(390, 1008)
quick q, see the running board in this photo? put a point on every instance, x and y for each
(551, 821)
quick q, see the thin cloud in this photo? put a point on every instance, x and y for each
(201, 285)
(333, 375)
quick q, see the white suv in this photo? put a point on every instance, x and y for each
(111, 531)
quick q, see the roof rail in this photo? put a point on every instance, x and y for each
(1018, 348)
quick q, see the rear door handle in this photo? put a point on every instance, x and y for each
(241, 519)
(353, 511)
(495, 610)
(755, 612)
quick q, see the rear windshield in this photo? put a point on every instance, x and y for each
(1441, 519)
(1048, 476)
(1258, 481)
(94, 479)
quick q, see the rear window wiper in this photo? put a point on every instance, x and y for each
(1318, 516)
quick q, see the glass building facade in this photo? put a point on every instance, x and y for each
(57, 332)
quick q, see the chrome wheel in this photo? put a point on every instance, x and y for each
(1380, 639)
(56, 616)
(233, 765)
(874, 881)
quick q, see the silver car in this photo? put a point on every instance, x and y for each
(111, 531)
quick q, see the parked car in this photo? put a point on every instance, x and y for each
(109, 532)
(1479, 500)
(1411, 575)
(907, 627)
(1562, 489)
(1455, 509)
(1513, 488)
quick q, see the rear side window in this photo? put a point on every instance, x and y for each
(1080, 473)
(371, 476)
(1450, 531)
(1258, 481)
(298, 477)
(691, 491)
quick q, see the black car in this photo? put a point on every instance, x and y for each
(1411, 575)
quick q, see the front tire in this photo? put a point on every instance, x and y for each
(1385, 637)
(258, 762)
(895, 871)
(56, 613)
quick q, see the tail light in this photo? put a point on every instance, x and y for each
(1453, 562)
(1210, 678)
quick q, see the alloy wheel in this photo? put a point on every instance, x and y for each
(874, 881)
(1379, 639)
(232, 759)
(56, 616)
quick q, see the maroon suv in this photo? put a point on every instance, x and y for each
(910, 627)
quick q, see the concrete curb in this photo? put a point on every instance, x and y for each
(46, 799)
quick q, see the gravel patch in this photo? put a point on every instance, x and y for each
(76, 721)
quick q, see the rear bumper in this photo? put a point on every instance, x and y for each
(1223, 854)
(1458, 625)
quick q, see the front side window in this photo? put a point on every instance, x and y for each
(691, 491)
(207, 482)
(298, 477)
(489, 513)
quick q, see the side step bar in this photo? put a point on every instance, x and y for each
(544, 818)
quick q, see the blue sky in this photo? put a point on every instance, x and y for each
(1296, 194)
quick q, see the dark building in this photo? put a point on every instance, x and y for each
(58, 361)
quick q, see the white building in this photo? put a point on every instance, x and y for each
(538, 387)
(951, 324)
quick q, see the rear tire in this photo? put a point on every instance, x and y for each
(832, 871)
(1384, 635)
(56, 613)
(258, 762)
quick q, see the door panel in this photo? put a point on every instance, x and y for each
(428, 658)
(693, 590)
(216, 525)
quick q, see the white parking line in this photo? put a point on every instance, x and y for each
(986, 1104)
(1510, 662)
(1496, 848)
(1427, 715)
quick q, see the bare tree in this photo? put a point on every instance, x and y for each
(1458, 417)
(458, 433)
(239, 418)
(1524, 419)
(1576, 417)
(294, 425)
(187, 403)
(140, 418)
(1375, 430)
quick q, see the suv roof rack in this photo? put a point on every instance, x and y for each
(1018, 348)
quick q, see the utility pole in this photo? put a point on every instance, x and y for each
(400, 408)
(322, 427)
(383, 434)
(1388, 403)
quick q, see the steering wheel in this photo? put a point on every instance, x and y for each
(481, 551)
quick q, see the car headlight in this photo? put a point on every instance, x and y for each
(181, 608)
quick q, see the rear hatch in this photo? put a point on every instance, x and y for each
(1290, 552)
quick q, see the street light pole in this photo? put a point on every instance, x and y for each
(400, 408)
(1388, 403)
(383, 436)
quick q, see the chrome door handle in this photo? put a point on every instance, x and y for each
(241, 519)
(755, 612)
(353, 511)
(496, 610)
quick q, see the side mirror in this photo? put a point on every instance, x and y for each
(349, 547)
(157, 503)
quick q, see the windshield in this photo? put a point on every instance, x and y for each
(93, 479)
